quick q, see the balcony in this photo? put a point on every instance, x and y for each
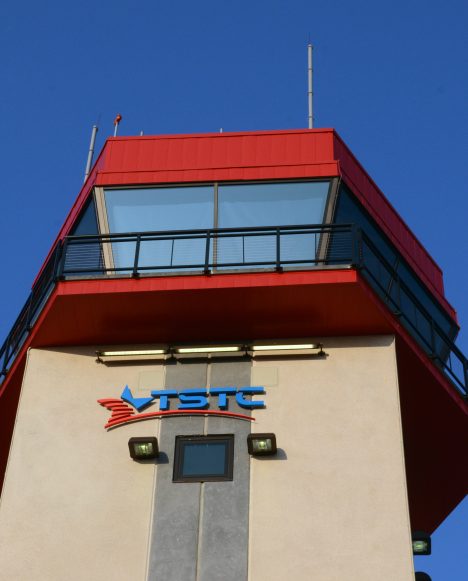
(239, 250)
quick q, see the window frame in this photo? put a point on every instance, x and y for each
(180, 444)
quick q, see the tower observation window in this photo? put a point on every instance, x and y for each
(184, 208)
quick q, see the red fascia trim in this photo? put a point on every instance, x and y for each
(202, 282)
(220, 156)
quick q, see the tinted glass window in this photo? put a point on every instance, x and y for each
(85, 258)
(203, 458)
(270, 204)
(193, 207)
(87, 222)
(156, 210)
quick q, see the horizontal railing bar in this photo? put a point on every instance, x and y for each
(320, 228)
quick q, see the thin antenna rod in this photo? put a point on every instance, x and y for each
(117, 120)
(91, 151)
(310, 91)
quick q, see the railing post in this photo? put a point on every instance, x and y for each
(172, 252)
(433, 343)
(278, 251)
(206, 268)
(61, 264)
(137, 256)
(29, 313)
(5, 357)
(57, 257)
(356, 246)
(465, 374)
(398, 296)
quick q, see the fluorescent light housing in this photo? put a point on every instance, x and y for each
(143, 448)
(261, 444)
(209, 351)
(227, 349)
(284, 349)
(421, 543)
(132, 355)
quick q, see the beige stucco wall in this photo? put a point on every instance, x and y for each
(332, 505)
(74, 506)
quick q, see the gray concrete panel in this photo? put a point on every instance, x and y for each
(224, 526)
(174, 542)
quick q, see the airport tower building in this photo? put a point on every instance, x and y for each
(236, 363)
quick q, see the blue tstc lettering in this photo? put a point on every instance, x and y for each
(222, 393)
(193, 399)
(247, 403)
(164, 396)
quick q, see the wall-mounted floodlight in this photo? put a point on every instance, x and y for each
(142, 448)
(277, 349)
(420, 576)
(261, 444)
(421, 543)
(208, 351)
(132, 355)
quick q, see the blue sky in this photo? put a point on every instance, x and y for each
(390, 77)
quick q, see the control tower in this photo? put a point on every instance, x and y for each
(236, 363)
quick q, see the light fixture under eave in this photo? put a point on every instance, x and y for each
(209, 351)
(132, 355)
(275, 349)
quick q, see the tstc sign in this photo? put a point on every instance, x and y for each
(192, 401)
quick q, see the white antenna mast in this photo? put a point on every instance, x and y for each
(310, 92)
(89, 161)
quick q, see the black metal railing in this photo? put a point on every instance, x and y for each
(208, 251)
(241, 249)
(405, 305)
